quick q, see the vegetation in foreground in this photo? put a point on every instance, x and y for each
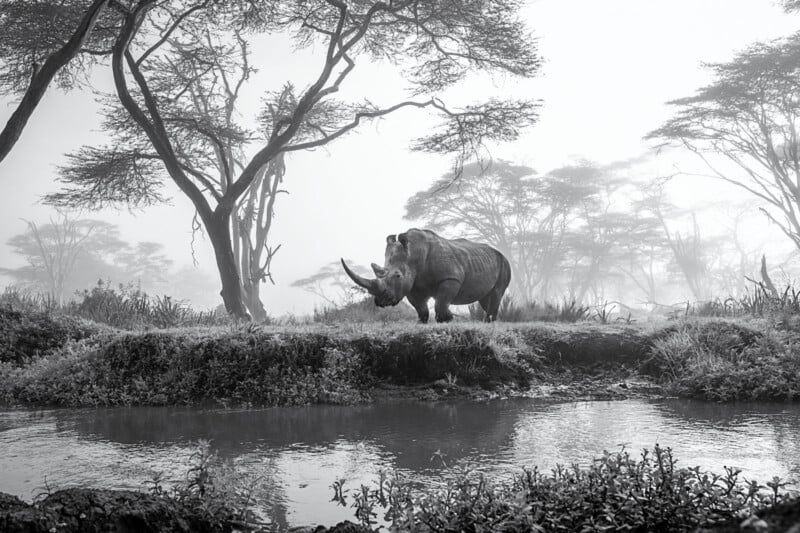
(617, 492)
(79, 355)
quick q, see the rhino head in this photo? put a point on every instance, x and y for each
(394, 280)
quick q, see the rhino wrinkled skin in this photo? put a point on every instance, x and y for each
(421, 265)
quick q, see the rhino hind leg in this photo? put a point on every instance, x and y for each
(491, 302)
(490, 305)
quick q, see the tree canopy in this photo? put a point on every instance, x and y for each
(744, 126)
(164, 54)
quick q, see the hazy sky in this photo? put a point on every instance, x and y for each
(609, 67)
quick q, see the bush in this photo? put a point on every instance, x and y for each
(27, 334)
(615, 493)
(725, 361)
(128, 307)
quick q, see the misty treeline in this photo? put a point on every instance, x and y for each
(591, 234)
(179, 68)
(68, 255)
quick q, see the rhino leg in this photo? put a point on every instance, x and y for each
(420, 304)
(490, 305)
(445, 294)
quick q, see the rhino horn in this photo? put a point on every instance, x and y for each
(369, 284)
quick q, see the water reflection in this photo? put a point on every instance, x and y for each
(296, 453)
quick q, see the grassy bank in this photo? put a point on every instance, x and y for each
(617, 492)
(49, 359)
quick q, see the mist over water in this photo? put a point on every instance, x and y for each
(294, 455)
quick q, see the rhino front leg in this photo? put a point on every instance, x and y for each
(420, 304)
(445, 294)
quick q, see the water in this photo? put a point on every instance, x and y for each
(295, 454)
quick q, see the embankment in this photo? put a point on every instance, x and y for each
(351, 363)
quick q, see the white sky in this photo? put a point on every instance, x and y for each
(609, 67)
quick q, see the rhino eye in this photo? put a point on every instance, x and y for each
(397, 274)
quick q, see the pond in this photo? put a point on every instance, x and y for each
(293, 455)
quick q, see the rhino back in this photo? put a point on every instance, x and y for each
(475, 265)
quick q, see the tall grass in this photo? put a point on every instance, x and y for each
(569, 311)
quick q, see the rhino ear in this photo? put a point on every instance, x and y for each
(379, 270)
(403, 238)
(390, 239)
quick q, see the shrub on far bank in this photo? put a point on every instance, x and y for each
(726, 361)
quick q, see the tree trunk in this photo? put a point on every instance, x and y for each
(252, 294)
(218, 228)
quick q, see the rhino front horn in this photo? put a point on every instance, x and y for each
(369, 284)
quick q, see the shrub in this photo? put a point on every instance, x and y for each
(725, 361)
(27, 334)
(616, 492)
(128, 307)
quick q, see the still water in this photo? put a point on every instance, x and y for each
(295, 454)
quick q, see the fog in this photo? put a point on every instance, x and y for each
(609, 69)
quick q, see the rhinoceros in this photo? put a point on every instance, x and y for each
(421, 265)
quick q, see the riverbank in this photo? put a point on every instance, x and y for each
(617, 491)
(68, 362)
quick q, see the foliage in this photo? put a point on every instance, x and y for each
(248, 365)
(569, 311)
(128, 307)
(213, 490)
(617, 492)
(743, 126)
(725, 361)
(29, 334)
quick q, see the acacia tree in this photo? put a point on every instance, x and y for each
(438, 43)
(38, 41)
(749, 116)
(51, 251)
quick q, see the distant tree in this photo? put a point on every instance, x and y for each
(749, 117)
(70, 253)
(53, 250)
(38, 40)
(543, 224)
(438, 44)
(331, 277)
(692, 253)
(643, 253)
(144, 263)
(791, 5)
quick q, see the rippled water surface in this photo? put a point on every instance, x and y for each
(295, 454)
